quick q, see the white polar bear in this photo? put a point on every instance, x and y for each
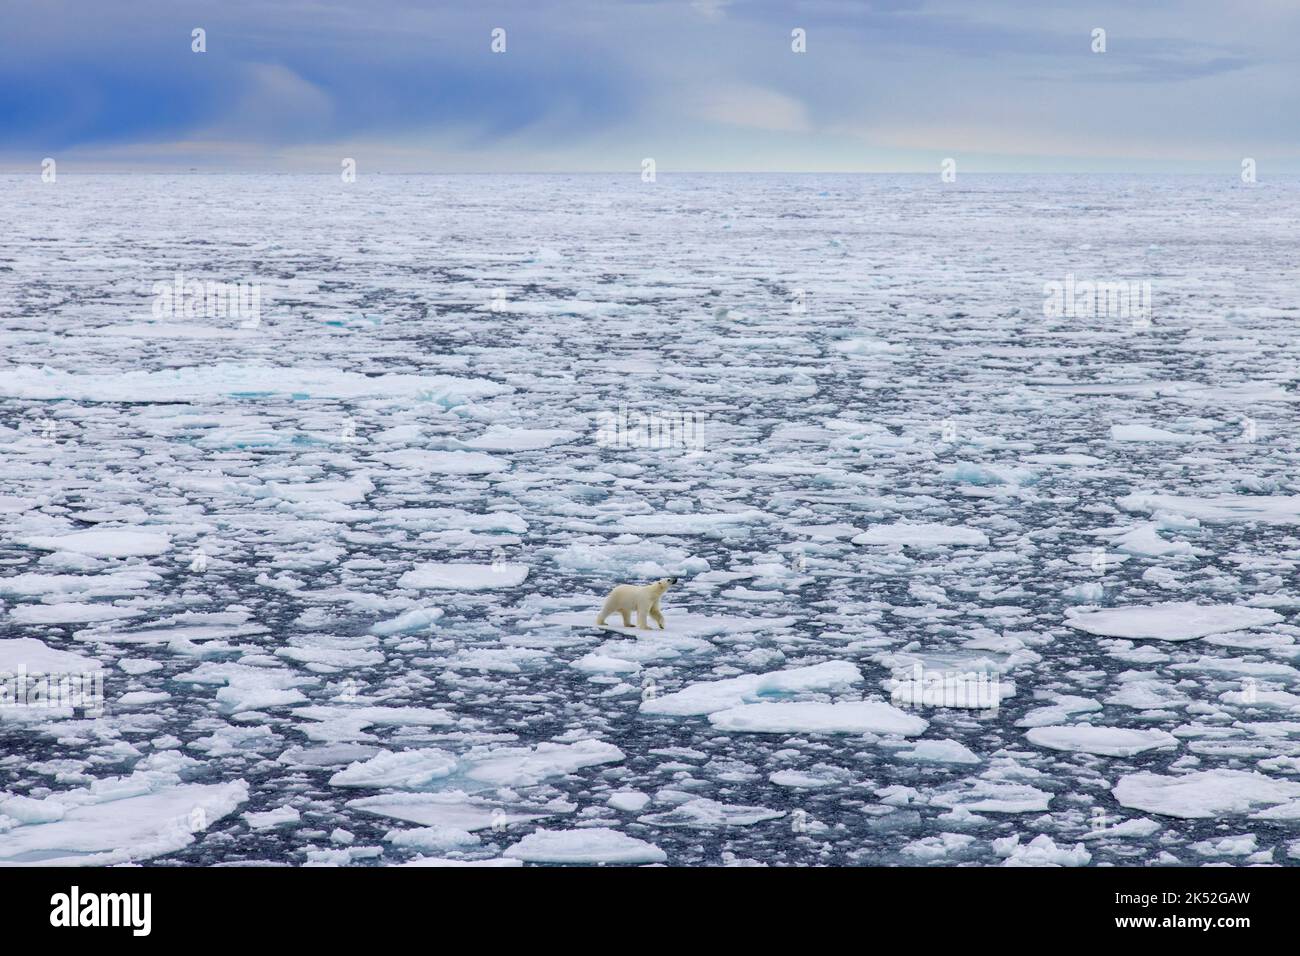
(644, 599)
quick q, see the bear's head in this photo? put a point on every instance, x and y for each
(662, 585)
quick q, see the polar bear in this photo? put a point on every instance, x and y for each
(644, 599)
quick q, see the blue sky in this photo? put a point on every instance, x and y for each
(897, 85)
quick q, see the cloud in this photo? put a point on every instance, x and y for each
(752, 107)
(710, 9)
(590, 83)
(275, 103)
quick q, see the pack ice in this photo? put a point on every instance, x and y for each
(959, 582)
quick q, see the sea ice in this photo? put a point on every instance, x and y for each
(103, 543)
(915, 535)
(843, 717)
(1106, 741)
(1203, 793)
(590, 845)
(464, 577)
(142, 817)
(711, 696)
(1183, 621)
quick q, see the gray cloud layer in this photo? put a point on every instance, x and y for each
(708, 84)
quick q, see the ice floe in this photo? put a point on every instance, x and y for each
(842, 717)
(1204, 793)
(198, 383)
(499, 767)
(1106, 741)
(464, 577)
(713, 696)
(1267, 509)
(103, 543)
(147, 814)
(1040, 851)
(916, 535)
(591, 845)
(1175, 621)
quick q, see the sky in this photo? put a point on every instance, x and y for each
(696, 85)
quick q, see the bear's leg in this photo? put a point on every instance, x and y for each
(605, 611)
(627, 618)
(657, 613)
(640, 618)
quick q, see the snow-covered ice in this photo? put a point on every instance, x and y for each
(594, 845)
(463, 577)
(1204, 793)
(114, 820)
(1106, 741)
(1175, 621)
(958, 582)
(713, 696)
(841, 717)
(917, 535)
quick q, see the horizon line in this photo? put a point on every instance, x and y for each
(1231, 171)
